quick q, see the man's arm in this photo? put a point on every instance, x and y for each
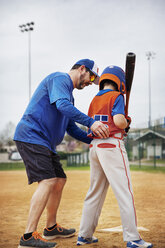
(67, 109)
(77, 133)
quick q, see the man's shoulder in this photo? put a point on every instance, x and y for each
(59, 78)
(57, 75)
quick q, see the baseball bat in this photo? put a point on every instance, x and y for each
(129, 73)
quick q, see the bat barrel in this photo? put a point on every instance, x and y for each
(130, 58)
(129, 72)
(131, 54)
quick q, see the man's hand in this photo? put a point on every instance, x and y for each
(99, 129)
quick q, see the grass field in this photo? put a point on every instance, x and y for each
(20, 166)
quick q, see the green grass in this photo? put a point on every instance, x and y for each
(158, 161)
(77, 168)
(20, 166)
(147, 168)
(12, 166)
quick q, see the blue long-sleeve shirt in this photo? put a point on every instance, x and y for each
(50, 113)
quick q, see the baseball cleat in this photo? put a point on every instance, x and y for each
(58, 232)
(139, 243)
(84, 241)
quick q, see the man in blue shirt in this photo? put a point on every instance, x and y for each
(49, 114)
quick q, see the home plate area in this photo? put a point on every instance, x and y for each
(119, 229)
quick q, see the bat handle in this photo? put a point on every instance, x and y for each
(127, 103)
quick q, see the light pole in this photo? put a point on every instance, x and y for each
(150, 55)
(28, 27)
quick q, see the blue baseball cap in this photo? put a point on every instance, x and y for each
(91, 65)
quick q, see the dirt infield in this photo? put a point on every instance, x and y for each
(149, 193)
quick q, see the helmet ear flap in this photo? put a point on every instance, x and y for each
(123, 88)
(101, 85)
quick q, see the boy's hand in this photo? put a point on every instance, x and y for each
(99, 129)
(128, 118)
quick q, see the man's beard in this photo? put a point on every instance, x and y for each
(82, 83)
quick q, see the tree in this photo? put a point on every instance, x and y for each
(6, 135)
(73, 144)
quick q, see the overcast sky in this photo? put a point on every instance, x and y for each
(68, 30)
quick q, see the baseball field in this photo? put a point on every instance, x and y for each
(149, 194)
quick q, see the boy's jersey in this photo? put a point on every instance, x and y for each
(101, 109)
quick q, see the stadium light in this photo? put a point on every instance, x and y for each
(28, 27)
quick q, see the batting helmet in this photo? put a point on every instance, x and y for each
(115, 74)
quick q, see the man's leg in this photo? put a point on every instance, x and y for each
(38, 203)
(39, 169)
(53, 229)
(54, 201)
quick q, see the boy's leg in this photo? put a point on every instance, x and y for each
(116, 167)
(95, 197)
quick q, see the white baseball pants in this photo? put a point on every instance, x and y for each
(109, 165)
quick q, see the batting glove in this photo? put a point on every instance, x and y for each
(128, 118)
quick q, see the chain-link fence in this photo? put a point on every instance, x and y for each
(146, 146)
(78, 159)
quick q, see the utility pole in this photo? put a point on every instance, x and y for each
(150, 55)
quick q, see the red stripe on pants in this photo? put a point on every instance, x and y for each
(128, 181)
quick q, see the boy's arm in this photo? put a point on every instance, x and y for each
(118, 113)
(120, 121)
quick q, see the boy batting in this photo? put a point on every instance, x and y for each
(109, 162)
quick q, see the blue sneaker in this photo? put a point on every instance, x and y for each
(84, 241)
(139, 243)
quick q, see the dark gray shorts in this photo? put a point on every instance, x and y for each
(40, 162)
